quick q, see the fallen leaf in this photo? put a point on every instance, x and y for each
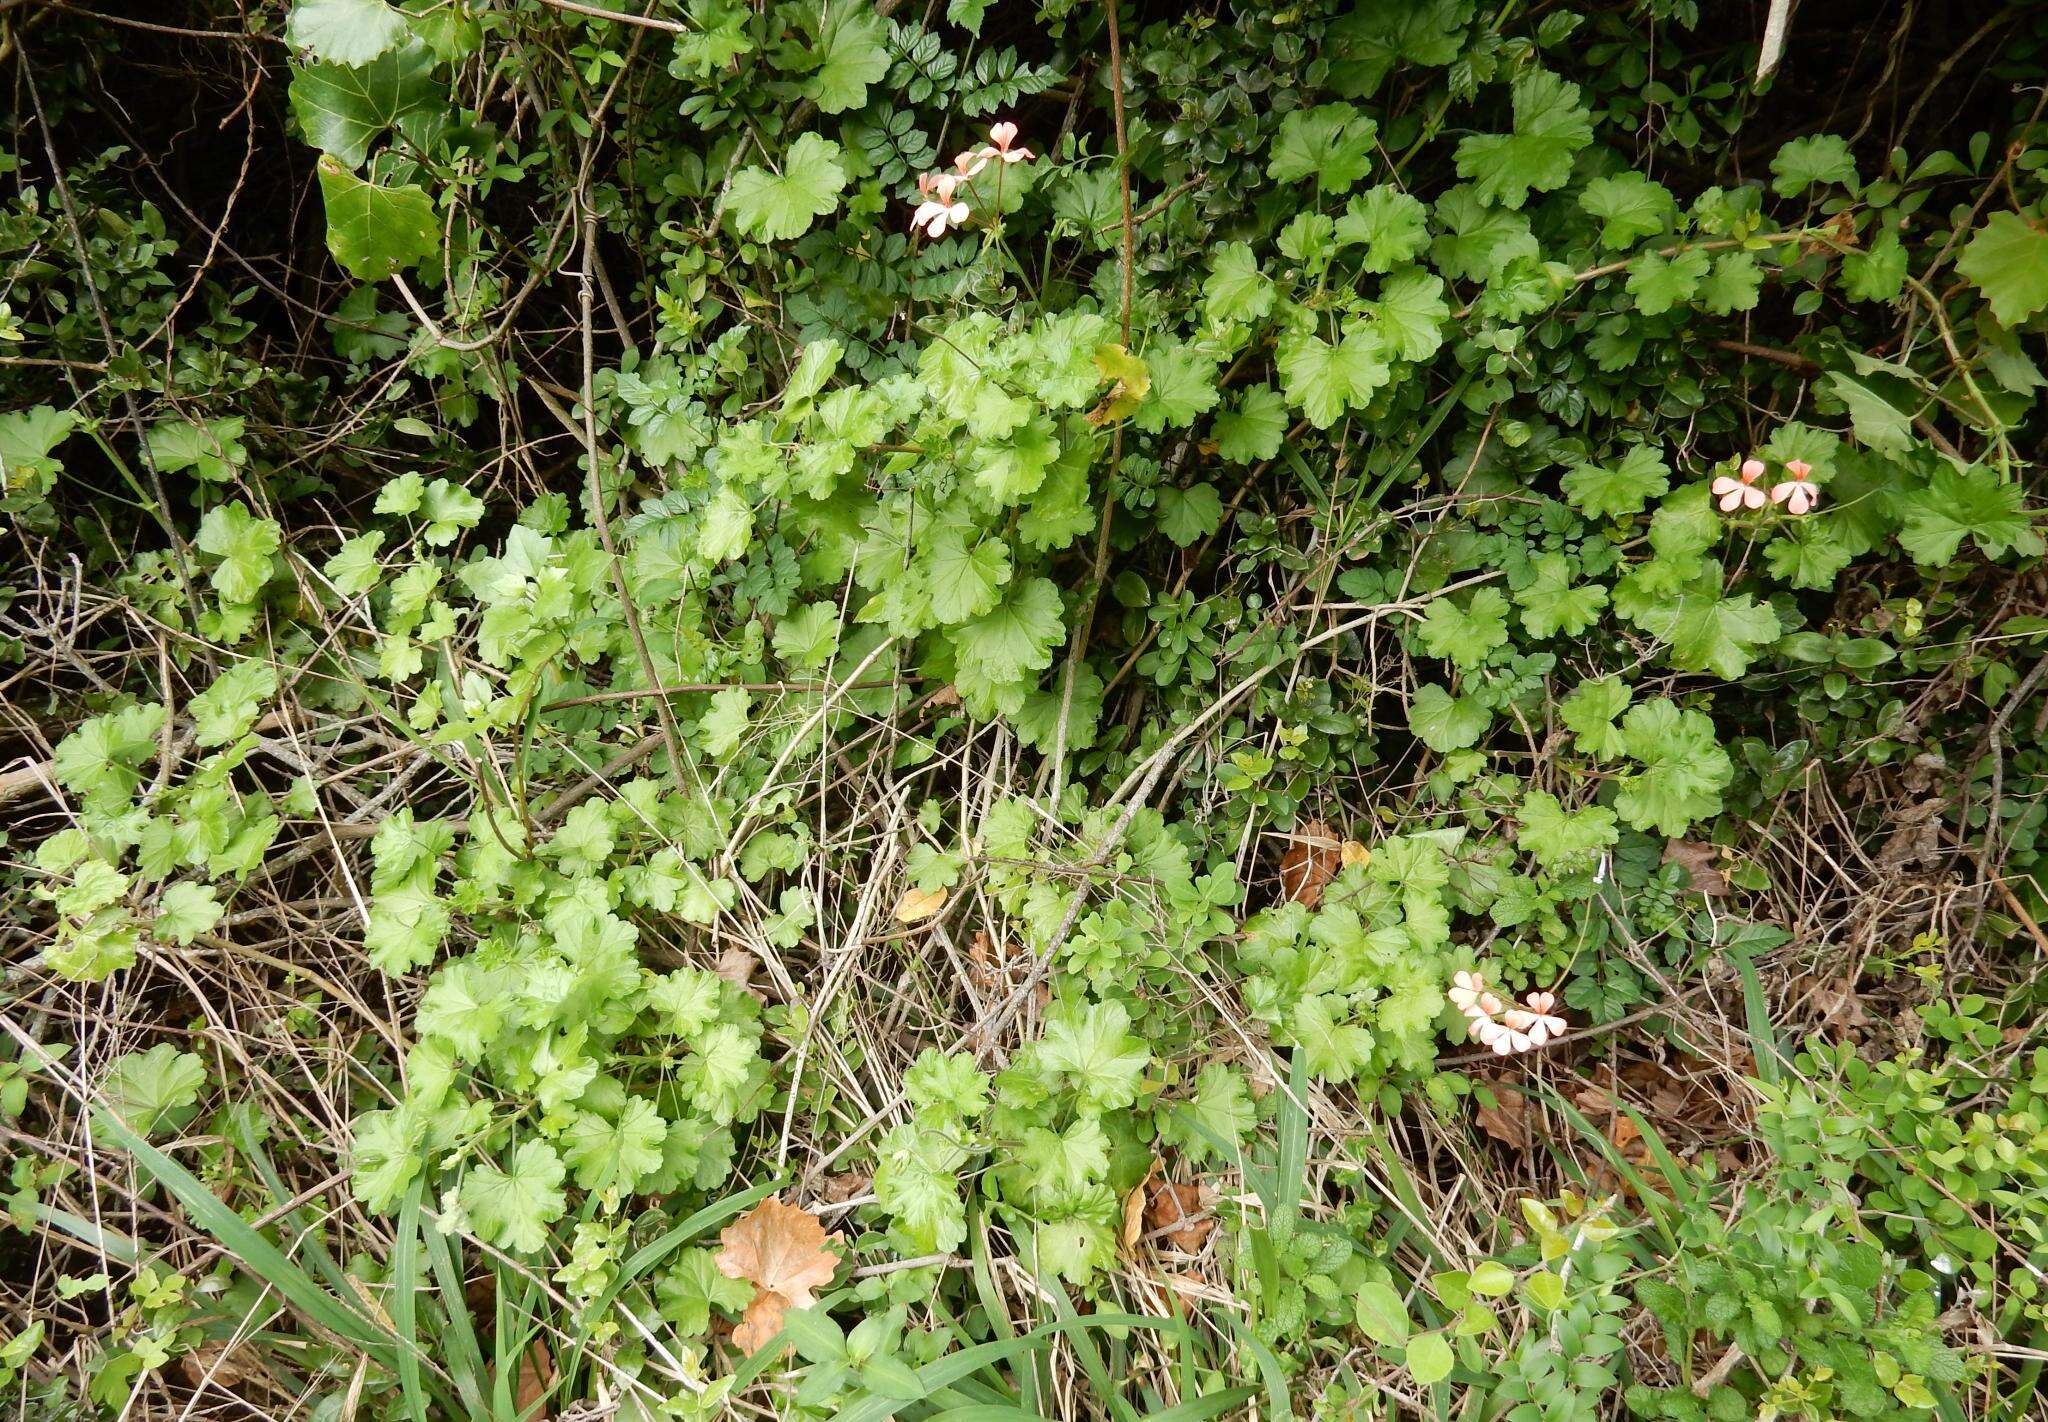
(228, 1368)
(1351, 854)
(1507, 1120)
(917, 905)
(1701, 863)
(1183, 1212)
(1309, 864)
(780, 1250)
(736, 966)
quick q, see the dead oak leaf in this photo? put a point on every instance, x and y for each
(781, 1250)
(1182, 1211)
(1310, 863)
(1507, 1120)
(1701, 863)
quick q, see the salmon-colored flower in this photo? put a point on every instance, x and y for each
(1799, 493)
(940, 209)
(1740, 493)
(1507, 1030)
(1001, 138)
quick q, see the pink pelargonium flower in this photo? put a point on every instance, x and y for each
(939, 210)
(1799, 493)
(1001, 137)
(1506, 1030)
(1740, 493)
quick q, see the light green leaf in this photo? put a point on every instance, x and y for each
(345, 31)
(1550, 127)
(774, 207)
(375, 231)
(343, 109)
(2007, 260)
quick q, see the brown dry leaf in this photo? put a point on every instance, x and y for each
(945, 696)
(736, 966)
(916, 905)
(1134, 1208)
(1701, 863)
(982, 963)
(228, 1368)
(838, 1189)
(780, 1250)
(1309, 864)
(1508, 1120)
(1183, 1212)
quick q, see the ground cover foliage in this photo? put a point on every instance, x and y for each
(1000, 710)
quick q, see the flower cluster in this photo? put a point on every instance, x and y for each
(1798, 493)
(1506, 1029)
(941, 207)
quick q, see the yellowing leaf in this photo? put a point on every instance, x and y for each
(916, 905)
(1131, 382)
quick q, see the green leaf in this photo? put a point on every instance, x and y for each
(156, 1090)
(1659, 283)
(1475, 240)
(1589, 714)
(1709, 632)
(615, 1155)
(1430, 1359)
(1393, 226)
(1823, 158)
(226, 709)
(1323, 380)
(1444, 722)
(1236, 289)
(513, 1207)
(1381, 1314)
(185, 911)
(1189, 515)
(1878, 272)
(1966, 503)
(342, 110)
(1465, 635)
(1684, 770)
(1551, 604)
(851, 55)
(1332, 142)
(212, 450)
(808, 638)
(1006, 645)
(1550, 127)
(345, 31)
(1629, 206)
(2007, 260)
(1879, 424)
(245, 545)
(1252, 432)
(1619, 489)
(1411, 313)
(774, 207)
(376, 231)
(1563, 840)
(1732, 286)
(963, 581)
